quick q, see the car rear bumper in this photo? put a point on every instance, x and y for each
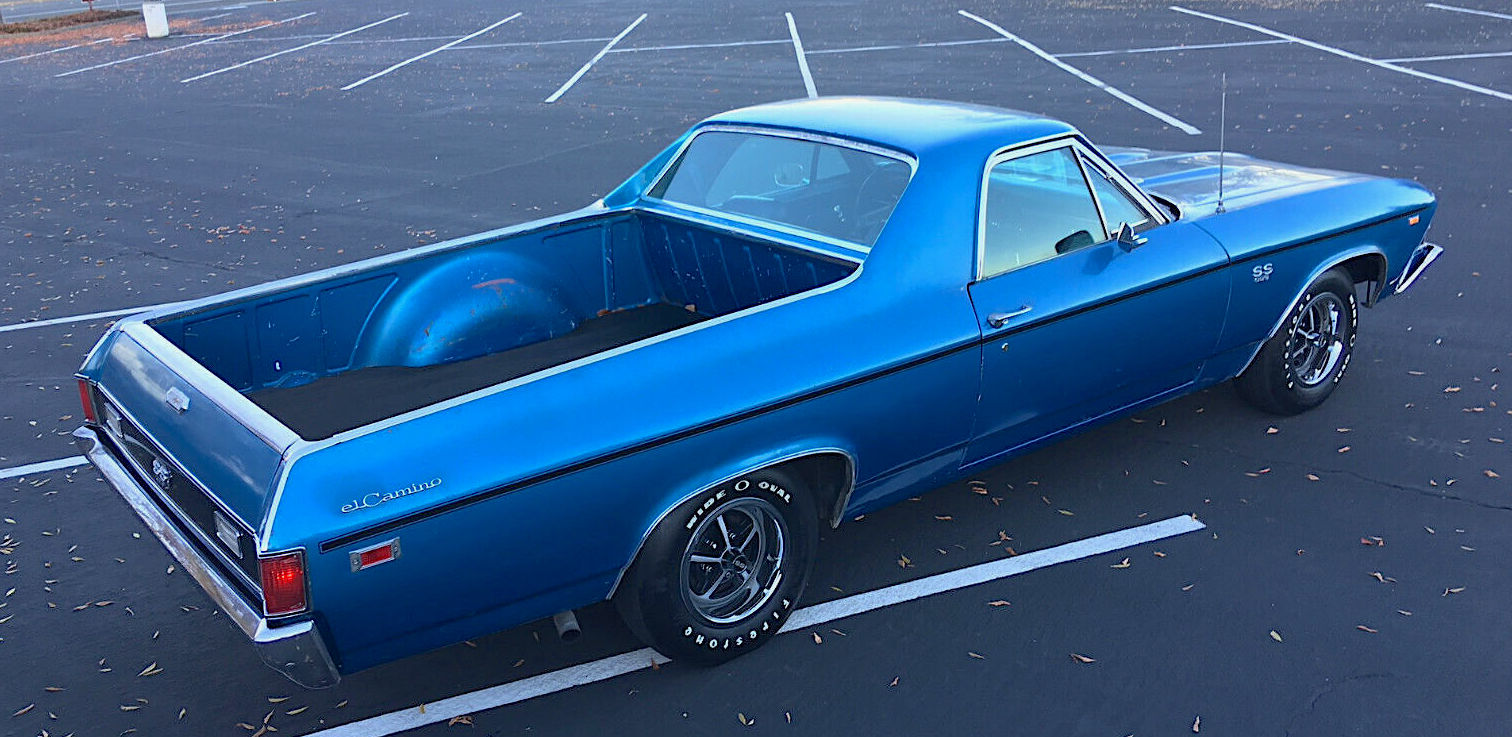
(1423, 256)
(295, 649)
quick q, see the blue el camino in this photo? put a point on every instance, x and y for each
(796, 313)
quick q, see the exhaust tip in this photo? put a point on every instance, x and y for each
(567, 626)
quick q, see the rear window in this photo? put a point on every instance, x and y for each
(826, 189)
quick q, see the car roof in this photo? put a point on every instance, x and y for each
(914, 126)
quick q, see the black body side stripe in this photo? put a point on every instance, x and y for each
(587, 463)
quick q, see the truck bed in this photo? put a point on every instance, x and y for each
(351, 399)
(347, 350)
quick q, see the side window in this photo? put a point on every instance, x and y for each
(1118, 208)
(1037, 206)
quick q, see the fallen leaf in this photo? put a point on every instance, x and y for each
(1197, 724)
(1078, 657)
(25, 709)
(1068, 514)
(1121, 564)
(743, 720)
(1344, 449)
(1159, 554)
(1455, 590)
(1271, 431)
(978, 656)
(1491, 474)
(1275, 636)
(894, 682)
(817, 639)
(454, 721)
(1363, 628)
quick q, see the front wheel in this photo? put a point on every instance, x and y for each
(722, 573)
(1300, 365)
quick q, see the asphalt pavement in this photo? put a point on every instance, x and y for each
(1351, 577)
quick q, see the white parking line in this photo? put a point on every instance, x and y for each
(808, 79)
(43, 467)
(1471, 11)
(896, 47)
(618, 665)
(680, 47)
(1183, 47)
(185, 46)
(1348, 54)
(301, 47)
(54, 51)
(432, 52)
(77, 318)
(568, 85)
(213, 17)
(1452, 57)
(1085, 77)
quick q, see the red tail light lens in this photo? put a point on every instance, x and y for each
(87, 400)
(283, 584)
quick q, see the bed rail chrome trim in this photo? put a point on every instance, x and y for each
(297, 649)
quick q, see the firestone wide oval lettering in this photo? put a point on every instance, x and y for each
(368, 501)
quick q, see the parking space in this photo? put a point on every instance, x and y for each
(271, 139)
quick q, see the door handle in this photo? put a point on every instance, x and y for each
(999, 319)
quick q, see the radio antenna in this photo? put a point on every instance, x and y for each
(1222, 129)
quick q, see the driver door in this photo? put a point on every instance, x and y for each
(1076, 324)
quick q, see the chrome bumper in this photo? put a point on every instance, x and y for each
(296, 650)
(1422, 257)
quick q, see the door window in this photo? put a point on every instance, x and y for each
(1037, 207)
(1118, 208)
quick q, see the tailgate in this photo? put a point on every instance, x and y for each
(196, 444)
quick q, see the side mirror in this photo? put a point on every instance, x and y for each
(1127, 239)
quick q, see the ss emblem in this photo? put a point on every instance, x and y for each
(1262, 273)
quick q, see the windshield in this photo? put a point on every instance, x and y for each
(822, 188)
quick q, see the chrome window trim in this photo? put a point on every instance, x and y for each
(1031, 148)
(1124, 182)
(172, 506)
(1079, 145)
(1102, 217)
(800, 135)
(1108, 225)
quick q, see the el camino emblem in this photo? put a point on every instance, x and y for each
(369, 501)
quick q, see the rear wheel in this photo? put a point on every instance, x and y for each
(1302, 363)
(722, 572)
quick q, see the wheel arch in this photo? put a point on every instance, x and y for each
(828, 472)
(1364, 264)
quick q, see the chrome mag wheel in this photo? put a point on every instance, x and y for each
(733, 563)
(1317, 340)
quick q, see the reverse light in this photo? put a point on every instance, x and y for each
(283, 583)
(86, 398)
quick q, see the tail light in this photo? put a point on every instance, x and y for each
(283, 584)
(86, 398)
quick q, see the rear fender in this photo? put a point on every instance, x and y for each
(712, 476)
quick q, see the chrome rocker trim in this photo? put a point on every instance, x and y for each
(1423, 256)
(296, 650)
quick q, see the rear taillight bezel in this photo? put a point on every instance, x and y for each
(285, 604)
(86, 400)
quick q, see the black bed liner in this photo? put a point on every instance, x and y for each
(355, 398)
